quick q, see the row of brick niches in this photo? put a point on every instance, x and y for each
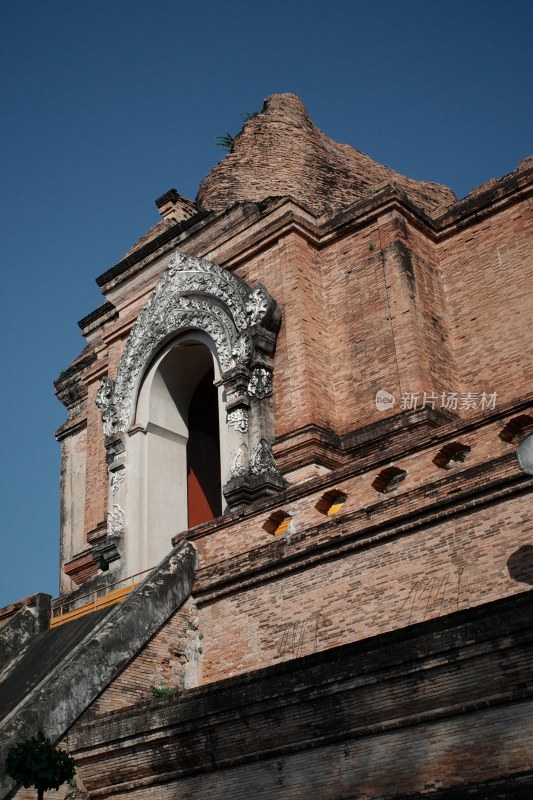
(412, 556)
(435, 470)
(443, 540)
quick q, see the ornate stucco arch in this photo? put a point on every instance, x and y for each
(195, 297)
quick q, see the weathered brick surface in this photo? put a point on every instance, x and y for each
(170, 660)
(281, 152)
(243, 532)
(382, 307)
(383, 283)
(487, 271)
(381, 563)
(456, 564)
(398, 714)
(96, 486)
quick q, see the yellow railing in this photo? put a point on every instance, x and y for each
(94, 601)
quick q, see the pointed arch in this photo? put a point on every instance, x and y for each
(194, 301)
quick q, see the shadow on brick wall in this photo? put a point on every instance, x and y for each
(520, 564)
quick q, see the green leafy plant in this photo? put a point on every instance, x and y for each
(226, 141)
(246, 115)
(37, 762)
(162, 691)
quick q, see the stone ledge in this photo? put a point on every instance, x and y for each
(29, 617)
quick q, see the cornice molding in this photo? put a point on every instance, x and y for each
(322, 230)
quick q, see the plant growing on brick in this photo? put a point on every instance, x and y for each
(37, 762)
(162, 691)
(226, 141)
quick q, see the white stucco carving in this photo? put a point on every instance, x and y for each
(115, 521)
(199, 317)
(260, 385)
(238, 468)
(192, 294)
(117, 478)
(257, 305)
(262, 461)
(238, 419)
(105, 403)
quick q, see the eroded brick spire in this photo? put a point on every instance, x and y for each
(281, 152)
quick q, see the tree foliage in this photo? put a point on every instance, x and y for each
(36, 762)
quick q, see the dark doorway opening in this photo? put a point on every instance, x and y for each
(204, 498)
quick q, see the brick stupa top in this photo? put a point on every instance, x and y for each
(280, 152)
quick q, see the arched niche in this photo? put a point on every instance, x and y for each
(199, 318)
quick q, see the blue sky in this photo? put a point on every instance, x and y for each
(106, 105)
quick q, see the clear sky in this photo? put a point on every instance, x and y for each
(107, 105)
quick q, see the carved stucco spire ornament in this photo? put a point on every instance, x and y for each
(258, 305)
(238, 468)
(115, 521)
(242, 350)
(105, 403)
(104, 395)
(262, 460)
(260, 385)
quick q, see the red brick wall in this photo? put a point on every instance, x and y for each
(383, 562)
(454, 565)
(439, 705)
(382, 301)
(418, 759)
(169, 660)
(387, 323)
(301, 389)
(488, 273)
(97, 484)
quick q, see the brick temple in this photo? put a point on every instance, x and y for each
(296, 518)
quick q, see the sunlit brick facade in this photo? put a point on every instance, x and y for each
(365, 578)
